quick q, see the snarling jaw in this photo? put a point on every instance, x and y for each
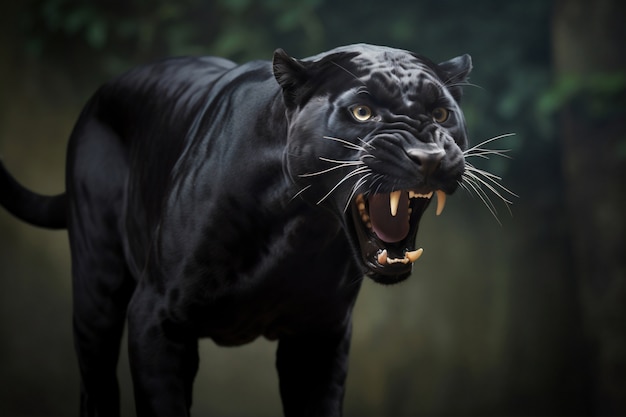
(386, 227)
(387, 224)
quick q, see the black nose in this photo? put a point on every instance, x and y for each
(427, 159)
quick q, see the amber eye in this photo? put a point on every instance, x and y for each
(361, 113)
(440, 114)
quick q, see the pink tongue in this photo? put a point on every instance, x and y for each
(387, 227)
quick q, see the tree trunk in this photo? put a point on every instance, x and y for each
(589, 61)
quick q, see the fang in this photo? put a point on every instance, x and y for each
(441, 201)
(394, 200)
(382, 257)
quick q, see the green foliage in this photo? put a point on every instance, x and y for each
(124, 34)
(600, 95)
(511, 61)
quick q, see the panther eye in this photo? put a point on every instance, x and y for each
(361, 113)
(440, 114)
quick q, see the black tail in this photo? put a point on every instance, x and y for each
(33, 208)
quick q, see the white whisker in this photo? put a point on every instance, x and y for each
(494, 179)
(477, 189)
(356, 171)
(342, 164)
(347, 144)
(361, 182)
(366, 144)
(485, 153)
(478, 181)
(479, 145)
(335, 161)
(300, 192)
(491, 188)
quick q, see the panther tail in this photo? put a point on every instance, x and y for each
(33, 208)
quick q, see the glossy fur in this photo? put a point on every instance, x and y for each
(191, 213)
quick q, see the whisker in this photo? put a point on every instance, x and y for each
(361, 182)
(356, 171)
(479, 182)
(342, 164)
(366, 144)
(465, 187)
(347, 144)
(490, 187)
(477, 189)
(494, 179)
(337, 161)
(300, 192)
(463, 84)
(380, 184)
(485, 153)
(477, 146)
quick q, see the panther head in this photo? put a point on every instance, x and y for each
(373, 134)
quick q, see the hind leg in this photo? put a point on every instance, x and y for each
(100, 297)
(102, 285)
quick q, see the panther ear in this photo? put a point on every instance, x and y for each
(292, 76)
(455, 72)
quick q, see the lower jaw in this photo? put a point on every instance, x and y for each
(397, 270)
(387, 261)
(389, 275)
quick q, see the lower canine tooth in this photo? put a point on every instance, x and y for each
(441, 201)
(415, 255)
(382, 257)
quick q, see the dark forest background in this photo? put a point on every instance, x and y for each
(525, 316)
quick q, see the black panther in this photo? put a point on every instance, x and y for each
(209, 199)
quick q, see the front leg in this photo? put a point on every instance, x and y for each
(312, 369)
(163, 359)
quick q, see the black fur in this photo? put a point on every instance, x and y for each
(201, 202)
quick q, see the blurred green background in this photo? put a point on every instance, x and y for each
(526, 317)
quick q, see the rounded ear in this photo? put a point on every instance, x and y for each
(291, 74)
(455, 72)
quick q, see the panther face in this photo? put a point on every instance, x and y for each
(374, 134)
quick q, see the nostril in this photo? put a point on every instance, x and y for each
(427, 160)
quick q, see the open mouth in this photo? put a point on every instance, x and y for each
(386, 226)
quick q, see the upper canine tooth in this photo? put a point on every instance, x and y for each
(441, 201)
(415, 255)
(394, 200)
